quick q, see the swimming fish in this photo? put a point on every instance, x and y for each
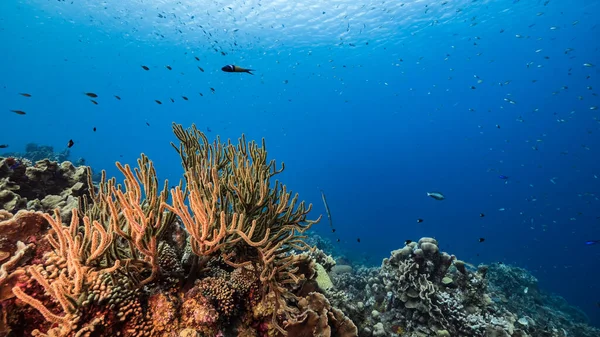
(18, 112)
(25, 94)
(91, 94)
(70, 143)
(502, 176)
(436, 195)
(3, 146)
(592, 242)
(230, 68)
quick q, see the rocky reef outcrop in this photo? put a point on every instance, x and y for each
(420, 291)
(43, 185)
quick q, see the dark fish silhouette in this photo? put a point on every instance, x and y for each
(91, 94)
(25, 94)
(18, 112)
(70, 143)
(230, 68)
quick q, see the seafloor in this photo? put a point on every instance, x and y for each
(228, 253)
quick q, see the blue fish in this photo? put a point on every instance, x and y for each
(502, 176)
(592, 242)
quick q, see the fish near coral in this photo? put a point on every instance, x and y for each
(230, 68)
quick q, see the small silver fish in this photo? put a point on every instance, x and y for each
(436, 195)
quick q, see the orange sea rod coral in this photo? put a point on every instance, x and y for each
(236, 213)
(116, 267)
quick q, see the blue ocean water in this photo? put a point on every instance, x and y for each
(375, 103)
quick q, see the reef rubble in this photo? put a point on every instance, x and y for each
(226, 253)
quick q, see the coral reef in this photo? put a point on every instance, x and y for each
(35, 152)
(120, 264)
(540, 314)
(225, 253)
(320, 319)
(41, 186)
(420, 291)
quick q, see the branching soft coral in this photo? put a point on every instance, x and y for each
(115, 247)
(234, 212)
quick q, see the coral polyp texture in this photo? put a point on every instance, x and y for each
(225, 253)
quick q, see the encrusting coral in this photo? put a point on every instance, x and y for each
(123, 266)
(40, 186)
(421, 291)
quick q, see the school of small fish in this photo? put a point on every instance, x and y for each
(354, 35)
